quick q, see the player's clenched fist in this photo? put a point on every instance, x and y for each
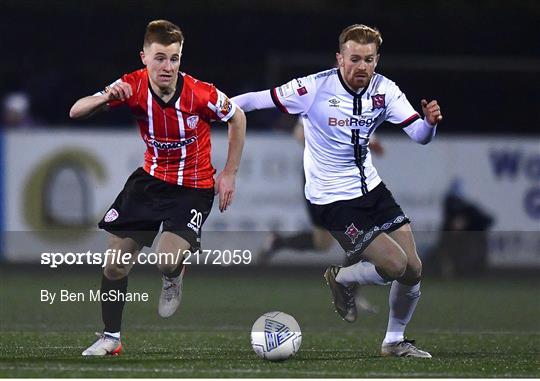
(432, 111)
(118, 91)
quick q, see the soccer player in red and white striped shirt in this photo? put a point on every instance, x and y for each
(175, 187)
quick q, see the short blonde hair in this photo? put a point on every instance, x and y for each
(362, 34)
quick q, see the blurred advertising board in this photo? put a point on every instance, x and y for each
(58, 183)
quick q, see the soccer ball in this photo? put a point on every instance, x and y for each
(276, 336)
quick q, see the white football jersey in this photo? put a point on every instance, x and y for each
(337, 125)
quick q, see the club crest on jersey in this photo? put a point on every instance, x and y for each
(352, 232)
(378, 101)
(276, 333)
(111, 215)
(192, 121)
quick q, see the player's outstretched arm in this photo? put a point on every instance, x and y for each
(87, 106)
(225, 184)
(258, 100)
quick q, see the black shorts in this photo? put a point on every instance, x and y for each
(355, 223)
(146, 202)
(313, 216)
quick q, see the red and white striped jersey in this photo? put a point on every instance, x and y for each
(177, 133)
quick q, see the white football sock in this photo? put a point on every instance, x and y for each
(362, 273)
(403, 300)
(116, 335)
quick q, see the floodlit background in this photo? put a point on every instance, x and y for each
(473, 194)
(479, 60)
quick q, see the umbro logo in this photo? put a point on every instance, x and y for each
(334, 102)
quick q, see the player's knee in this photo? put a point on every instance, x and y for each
(124, 245)
(396, 266)
(413, 274)
(167, 268)
(414, 269)
(115, 271)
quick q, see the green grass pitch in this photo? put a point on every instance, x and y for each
(474, 328)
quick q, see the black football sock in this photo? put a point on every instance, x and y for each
(111, 312)
(408, 282)
(300, 241)
(383, 274)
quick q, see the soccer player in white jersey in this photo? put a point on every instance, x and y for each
(341, 109)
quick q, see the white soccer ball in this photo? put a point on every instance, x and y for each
(276, 336)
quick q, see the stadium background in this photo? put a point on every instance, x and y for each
(480, 60)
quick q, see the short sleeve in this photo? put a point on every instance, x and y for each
(219, 105)
(296, 96)
(398, 110)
